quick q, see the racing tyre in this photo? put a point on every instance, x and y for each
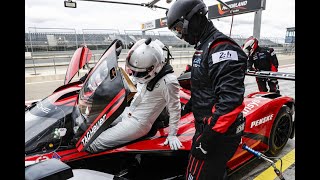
(280, 131)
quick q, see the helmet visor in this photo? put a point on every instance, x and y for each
(143, 73)
(139, 74)
(177, 29)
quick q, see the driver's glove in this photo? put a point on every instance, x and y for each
(174, 142)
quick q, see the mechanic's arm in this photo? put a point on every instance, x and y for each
(228, 83)
(172, 97)
(274, 60)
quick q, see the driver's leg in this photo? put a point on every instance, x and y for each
(127, 130)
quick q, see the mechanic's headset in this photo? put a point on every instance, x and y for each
(165, 48)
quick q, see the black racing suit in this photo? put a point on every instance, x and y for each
(265, 59)
(217, 93)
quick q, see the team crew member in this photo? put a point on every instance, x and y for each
(157, 88)
(217, 89)
(262, 58)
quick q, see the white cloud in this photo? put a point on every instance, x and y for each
(279, 15)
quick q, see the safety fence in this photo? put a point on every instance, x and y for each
(58, 63)
(68, 39)
(51, 49)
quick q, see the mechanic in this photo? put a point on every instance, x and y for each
(157, 88)
(217, 89)
(263, 59)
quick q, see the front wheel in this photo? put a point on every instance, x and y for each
(280, 131)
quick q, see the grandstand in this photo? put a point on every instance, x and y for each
(100, 39)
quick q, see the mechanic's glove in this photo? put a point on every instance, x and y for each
(174, 142)
(207, 140)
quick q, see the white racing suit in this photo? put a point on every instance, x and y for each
(137, 119)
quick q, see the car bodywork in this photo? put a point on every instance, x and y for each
(64, 124)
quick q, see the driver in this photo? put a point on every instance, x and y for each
(157, 88)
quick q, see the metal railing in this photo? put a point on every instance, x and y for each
(41, 63)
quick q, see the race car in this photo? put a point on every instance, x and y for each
(62, 125)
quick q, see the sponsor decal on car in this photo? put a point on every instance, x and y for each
(42, 108)
(240, 128)
(254, 103)
(261, 121)
(94, 128)
(55, 155)
(42, 158)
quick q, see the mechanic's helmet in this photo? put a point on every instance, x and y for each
(179, 19)
(145, 59)
(250, 45)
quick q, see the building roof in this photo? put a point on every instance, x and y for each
(291, 29)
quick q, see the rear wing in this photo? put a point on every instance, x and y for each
(271, 74)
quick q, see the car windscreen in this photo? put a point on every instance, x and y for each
(91, 88)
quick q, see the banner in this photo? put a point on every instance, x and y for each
(156, 24)
(148, 25)
(238, 6)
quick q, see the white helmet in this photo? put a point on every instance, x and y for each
(145, 59)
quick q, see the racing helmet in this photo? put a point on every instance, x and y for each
(250, 45)
(179, 19)
(145, 59)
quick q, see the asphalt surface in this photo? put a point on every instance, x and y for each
(257, 169)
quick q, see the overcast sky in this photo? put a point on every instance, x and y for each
(278, 15)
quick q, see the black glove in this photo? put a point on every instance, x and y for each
(201, 148)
